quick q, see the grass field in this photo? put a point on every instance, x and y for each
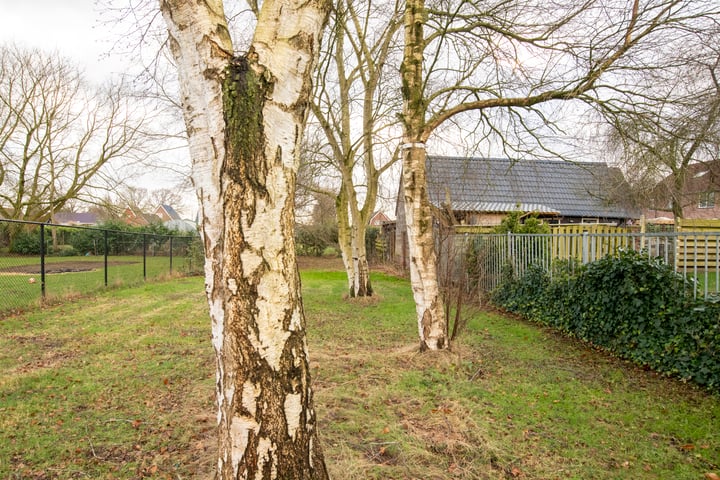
(121, 386)
(73, 276)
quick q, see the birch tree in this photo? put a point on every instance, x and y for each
(244, 115)
(514, 60)
(354, 105)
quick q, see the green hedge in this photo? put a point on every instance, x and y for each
(638, 308)
(314, 240)
(121, 239)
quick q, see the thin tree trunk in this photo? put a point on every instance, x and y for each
(678, 193)
(345, 236)
(351, 237)
(432, 324)
(244, 118)
(361, 280)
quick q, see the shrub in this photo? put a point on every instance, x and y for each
(312, 240)
(637, 307)
(26, 242)
(195, 256)
(64, 251)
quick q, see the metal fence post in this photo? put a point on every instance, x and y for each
(105, 255)
(585, 248)
(144, 256)
(511, 250)
(42, 261)
(171, 246)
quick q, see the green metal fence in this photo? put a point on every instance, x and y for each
(41, 262)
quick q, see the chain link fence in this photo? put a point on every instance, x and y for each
(43, 262)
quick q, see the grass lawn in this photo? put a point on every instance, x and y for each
(121, 386)
(73, 276)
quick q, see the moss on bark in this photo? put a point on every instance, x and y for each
(245, 89)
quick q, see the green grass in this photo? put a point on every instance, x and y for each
(121, 386)
(19, 293)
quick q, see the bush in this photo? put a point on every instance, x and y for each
(515, 223)
(64, 251)
(26, 242)
(330, 252)
(195, 256)
(312, 240)
(637, 307)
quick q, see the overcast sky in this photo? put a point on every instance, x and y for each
(78, 30)
(72, 27)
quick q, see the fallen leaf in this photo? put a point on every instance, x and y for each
(516, 472)
(688, 447)
(712, 476)
(136, 423)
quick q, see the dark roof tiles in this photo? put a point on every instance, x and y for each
(500, 184)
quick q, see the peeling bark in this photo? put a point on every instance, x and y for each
(244, 119)
(432, 324)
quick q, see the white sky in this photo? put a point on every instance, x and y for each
(71, 27)
(78, 30)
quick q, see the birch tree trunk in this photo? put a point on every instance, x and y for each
(432, 324)
(362, 287)
(244, 118)
(345, 235)
(351, 239)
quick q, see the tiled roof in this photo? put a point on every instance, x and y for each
(543, 186)
(172, 212)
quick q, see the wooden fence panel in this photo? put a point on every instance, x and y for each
(699, 251)
(568, 240)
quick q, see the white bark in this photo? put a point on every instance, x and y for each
(432, 324)
(244, 117)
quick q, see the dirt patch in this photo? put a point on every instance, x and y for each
(320, 263)
(61, 267)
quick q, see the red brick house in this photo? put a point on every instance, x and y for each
(699, 198)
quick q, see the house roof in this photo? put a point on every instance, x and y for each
(181, 225)
(172, 213)
(378, 218)
(570, 189)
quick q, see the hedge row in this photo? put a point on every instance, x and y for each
(121, 239)
(638, 308)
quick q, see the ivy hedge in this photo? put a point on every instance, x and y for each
(637, 308)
